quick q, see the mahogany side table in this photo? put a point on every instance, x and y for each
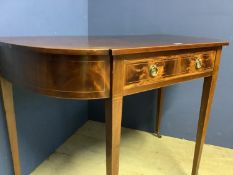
(110, 68)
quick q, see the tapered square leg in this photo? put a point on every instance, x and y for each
(160, 99)
(113, 117)
(113, 134)
(8, 106)
(207, 98)
(206, 102)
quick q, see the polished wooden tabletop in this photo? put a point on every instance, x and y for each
(101, 45)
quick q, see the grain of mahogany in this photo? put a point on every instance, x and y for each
(119, 45)
(110, 68)
(60, 75)
(177, 64)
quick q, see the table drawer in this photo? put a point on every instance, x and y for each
(152, 69)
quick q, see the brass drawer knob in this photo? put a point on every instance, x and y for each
(198, 62)
(154, 70)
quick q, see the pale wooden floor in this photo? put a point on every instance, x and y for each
(141, 154)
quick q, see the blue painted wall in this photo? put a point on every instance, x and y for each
(44, 17)
(43, 123)
(210, 18)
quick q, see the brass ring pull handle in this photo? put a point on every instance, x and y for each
(198, 62)
(154, 70)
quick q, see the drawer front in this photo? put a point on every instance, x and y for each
(153, 69)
